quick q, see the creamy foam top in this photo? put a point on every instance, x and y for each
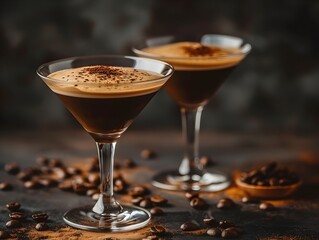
(196, 56)
(103, 81)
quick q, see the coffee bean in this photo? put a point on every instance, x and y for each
(190, 195)
(79, 188)
(41, 226)
(65, 186)
(225, 203)
(88, 185)
(148, 154)
(198, 203)
(25, 175)
(120, 184)
(91, 192)
(156, 211)
(230, 233)
(158, 200)
(206, 161)
(138, 191)
(157, 229)
(137, 200)
(226, 224)
(47, 182)
(40, 217)
(95, 196)
(32, 184)
(94, 178)
(266, 206)
(17, 215)
(12, 168)
(247, 199)
(43, 161)
(13, 206)
(73, 171)
(119, 188)
(13, 224)
(4, 186)
(146, 203)
(117, 166)
(4, 234)
(189, 226)
(210, 221)
(270, 167)
(129, 163)
(55, 163)
(60, 173)
(45, 170)
(215, 232)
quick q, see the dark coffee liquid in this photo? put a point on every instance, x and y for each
(191, 89)
(105, 116)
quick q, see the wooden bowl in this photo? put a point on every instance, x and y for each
(268, 192)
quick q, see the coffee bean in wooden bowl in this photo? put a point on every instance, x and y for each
(268, 182)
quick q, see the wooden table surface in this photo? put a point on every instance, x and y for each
(294, 218)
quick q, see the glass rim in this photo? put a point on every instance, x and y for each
(245, 49)
(157, 79)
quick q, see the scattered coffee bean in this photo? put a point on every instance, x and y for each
(266, 206)
(189, 226)
(156, 211)
(73, 171)
(247, 199)
(24, 175)
(12, 168)
(79, 188)
(138, 191)
(215, 232)
(60, 173)
(137, 200)
(88, 185)
(269, 168)
(119, 188)
(225, 203)
(41, 226)
(148, 154)
(13, 206)
(13, 224)
(129, 163)
(198, 203)
(146, 203)
(45, 170)
(94, 178)
(94, 165)
(55, 163)
(17, 216)
(158, 200)
(206, 161)
(226, 224)
(4, 234)
(43, 161)
(190, 195)
(230, 232)
(66, 186)
(40, 217)
(210, 221)
(95, 196)
(4, 186)
(32, 184)
(157, 229)
(47, 182)
(91, 192)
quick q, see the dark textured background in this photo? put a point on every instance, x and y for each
(275, 89)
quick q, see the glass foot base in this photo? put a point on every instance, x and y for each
(209, 182)
(131, 218)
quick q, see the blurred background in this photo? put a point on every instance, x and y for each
(275, 89)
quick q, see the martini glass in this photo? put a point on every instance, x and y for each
(105, 110)
(196, 79)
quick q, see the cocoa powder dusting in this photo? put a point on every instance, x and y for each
(201, 50)
(104, 70)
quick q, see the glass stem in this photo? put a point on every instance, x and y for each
(191, 124)
(106, 205)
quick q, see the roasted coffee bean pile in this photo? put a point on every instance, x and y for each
(269, 175)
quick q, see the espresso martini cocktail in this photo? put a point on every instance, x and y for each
(201, 66)
(105, 94)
